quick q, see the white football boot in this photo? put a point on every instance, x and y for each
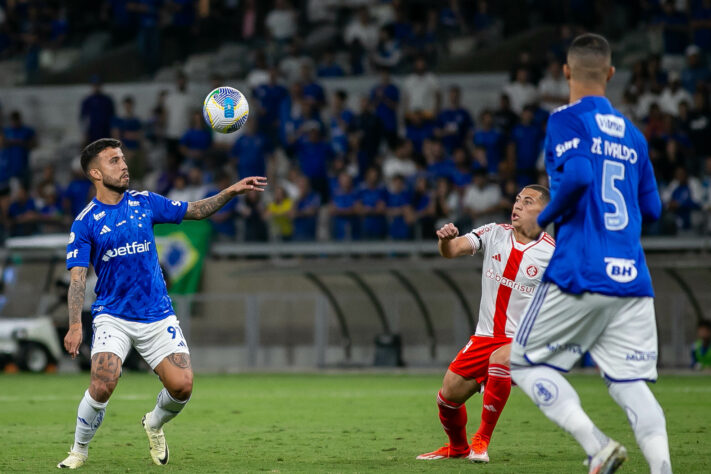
(73, 461)
(156, 441)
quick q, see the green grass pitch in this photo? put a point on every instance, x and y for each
(324, 423)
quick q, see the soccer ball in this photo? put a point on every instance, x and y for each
(225, 109)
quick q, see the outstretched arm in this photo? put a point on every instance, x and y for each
(206, 207)
(75, 301)
(451, 244)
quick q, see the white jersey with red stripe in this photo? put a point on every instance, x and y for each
(510, 274)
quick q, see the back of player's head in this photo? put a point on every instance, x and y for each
(589, 59)
(545, 193)
(93, 149)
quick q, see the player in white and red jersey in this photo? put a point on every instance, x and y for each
(515, 257)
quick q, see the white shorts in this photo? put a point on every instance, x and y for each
(558, 328)
(153, 341)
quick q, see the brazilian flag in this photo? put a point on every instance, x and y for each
(181, 250)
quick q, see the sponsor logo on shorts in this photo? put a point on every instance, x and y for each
(611, 124)
(502, 280)
(567, 347)
(545, 392)
(565, 146)
(128, 249)
(622, 270)
(641, 356)
(532, 271)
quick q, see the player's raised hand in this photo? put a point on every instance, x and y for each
(448, 232)
(252, 183)
(72, 340)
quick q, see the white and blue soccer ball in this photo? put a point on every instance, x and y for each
(225, 109)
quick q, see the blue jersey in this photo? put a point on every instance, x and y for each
(118, 241)
(598, 245)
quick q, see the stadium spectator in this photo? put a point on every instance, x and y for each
(487, 137)
(419, 127)
(281, 22)
(446, 203)
(553, 88)
(250, 152)
(700, 124)
(521, 91)
(78, 192)
(481, 201)
(528, 139)
(371, 205)
(695, 71)
(149, 32)
(421, 92)
(278, 213)
(398, 209)
(259, 73)
(17, 141)
(129, 129)
(343, 210)
(49, 209)
(97, 113)
(368, 130)
(328, 67)
(361, 37)
(454, 123)
(504, 117)
(682, 196)
(292, 63)
(271, 97)
(305, 211)
(341, 122)
(400, 161)
(701, 24)
(438, 163)
(422, 209)
(385, 98)
(178, 104)
(313, 92)
(223, 220)
(23, 215)
(461, 171)
(701, 350)
(388, 51)
(673, 94)
(314, 154)
(195, 142)
(674, 27)
(251, 209)
(116, 12)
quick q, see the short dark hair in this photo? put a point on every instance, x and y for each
(704, 323)
(594, 55)
(94, 148)
(545, 193)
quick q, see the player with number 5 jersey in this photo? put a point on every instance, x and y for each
(597, 292)
(114, 233)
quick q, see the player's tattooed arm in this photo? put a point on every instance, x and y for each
(206, 207)
(75, 302)
(75, 297)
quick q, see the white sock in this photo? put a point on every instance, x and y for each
(89, 417)
(165, 410)
(560, 403)
(647, 421)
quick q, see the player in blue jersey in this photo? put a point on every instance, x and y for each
(114, 233)
(596, 293)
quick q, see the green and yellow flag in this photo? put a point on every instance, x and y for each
(181, 250)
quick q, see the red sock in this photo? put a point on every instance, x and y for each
(454, 420)
(496, 393)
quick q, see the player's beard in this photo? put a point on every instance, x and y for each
(115, 185)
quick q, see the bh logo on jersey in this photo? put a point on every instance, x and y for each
(622, 270)
(128, 249)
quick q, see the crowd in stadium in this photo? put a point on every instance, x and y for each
(407, 159)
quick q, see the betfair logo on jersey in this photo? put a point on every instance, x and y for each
(133, 203)
(622, 270)
(565, 146)
(99, 215)
(72, 254)
(128, 249)
(514, 285)
(611, 125)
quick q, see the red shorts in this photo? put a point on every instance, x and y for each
(472, 362)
